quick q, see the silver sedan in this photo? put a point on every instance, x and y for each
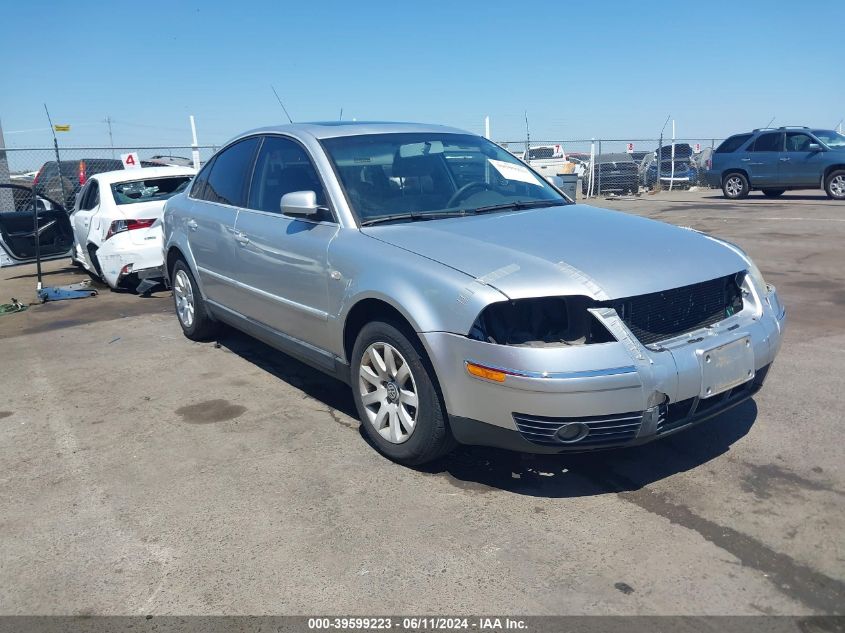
(462, 296)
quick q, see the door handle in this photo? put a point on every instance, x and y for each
(783, 160)
(192, 224)
(745, 160)
(241, 239)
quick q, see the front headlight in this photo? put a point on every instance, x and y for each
(540, 322)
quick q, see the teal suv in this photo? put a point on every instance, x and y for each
(774, 160)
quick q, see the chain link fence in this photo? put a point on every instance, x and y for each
(603, 166)
(620, 166)
(61, 180)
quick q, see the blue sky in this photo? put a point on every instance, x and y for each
(581, 69)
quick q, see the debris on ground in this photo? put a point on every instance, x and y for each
(14, 306)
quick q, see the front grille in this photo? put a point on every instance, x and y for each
(604, 430)
(661, 315)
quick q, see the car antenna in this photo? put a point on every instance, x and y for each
(772, 120)
(281, 104)
(340, 118)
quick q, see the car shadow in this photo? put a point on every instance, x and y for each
(314, 383)
(786, 197)
(67, 270)
(599, 472)
(482, 469)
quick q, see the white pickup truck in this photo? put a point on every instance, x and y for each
(549, 160)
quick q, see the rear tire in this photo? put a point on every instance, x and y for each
(191, 309)
(773, 193)
(397, 395)
(834, 184)
(735, 186)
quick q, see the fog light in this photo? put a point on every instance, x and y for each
(126, 269)
(573, 432)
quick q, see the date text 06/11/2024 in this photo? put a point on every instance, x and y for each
(422, 623)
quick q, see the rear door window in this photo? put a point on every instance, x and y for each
(198, 188)
(768, 142)
(229, 178)
(732, 144)
(90, 197)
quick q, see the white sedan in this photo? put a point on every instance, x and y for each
(117, 223)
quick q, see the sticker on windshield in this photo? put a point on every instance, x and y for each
(511, 171)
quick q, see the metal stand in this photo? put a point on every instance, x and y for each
(59, 293)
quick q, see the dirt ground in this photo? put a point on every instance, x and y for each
(142, 473)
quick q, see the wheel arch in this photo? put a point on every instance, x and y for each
(373, 308)
(830, 169)
(735, 170)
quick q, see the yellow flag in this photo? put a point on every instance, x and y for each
(61, 128)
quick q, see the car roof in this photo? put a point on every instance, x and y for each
(334, 129)
(128, 175)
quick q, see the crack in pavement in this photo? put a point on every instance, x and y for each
(798, 581)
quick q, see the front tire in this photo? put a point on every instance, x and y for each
(773, 193)
(397, 396)
(834, 184)
(735, 186)
(191, 310)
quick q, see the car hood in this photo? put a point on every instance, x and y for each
(575, 249)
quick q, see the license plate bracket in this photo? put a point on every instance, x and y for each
(726, 366)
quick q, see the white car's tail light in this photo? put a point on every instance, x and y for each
(120, 226)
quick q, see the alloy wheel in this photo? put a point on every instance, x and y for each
(733, 186)
(837, 186)
(388, 392)
(183, 292)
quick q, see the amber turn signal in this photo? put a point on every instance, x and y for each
(479, 371)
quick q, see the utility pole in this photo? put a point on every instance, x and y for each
(111, 139)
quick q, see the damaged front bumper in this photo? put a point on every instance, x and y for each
(607, 395)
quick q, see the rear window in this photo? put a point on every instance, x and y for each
(149, 189)
(732, 144)
(768, 142)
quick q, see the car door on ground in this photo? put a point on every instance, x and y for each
(764, 159)
(17, 225)
(217, 193)
(802, 165)
(283, 260)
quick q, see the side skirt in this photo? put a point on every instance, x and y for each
(313, 356)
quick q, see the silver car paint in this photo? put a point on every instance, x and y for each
(439, 275)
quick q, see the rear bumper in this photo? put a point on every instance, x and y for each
(713, 179)
(120, 257)
(620, 393)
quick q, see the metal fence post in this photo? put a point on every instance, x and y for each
(598, 171)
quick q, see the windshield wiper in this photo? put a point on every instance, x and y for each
(414, 216)
(519, 205)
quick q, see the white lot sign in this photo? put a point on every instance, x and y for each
(131, 161)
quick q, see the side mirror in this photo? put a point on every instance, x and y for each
(299, 203)
(814, 147)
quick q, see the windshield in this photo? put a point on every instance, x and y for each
(422, 174)
(832, 139)
(149, 189)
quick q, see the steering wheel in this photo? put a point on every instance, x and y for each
(461, 193)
